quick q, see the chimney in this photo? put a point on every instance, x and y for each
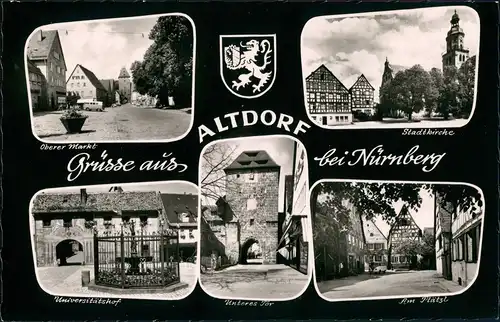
(40, 35)
(83, 196)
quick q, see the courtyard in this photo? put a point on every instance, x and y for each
(399, 283)
(126, 122)
(67, 281)
(255, 282)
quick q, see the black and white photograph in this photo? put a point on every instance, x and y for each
(412, 68)
(126, 80)
(395, 240)
(255, 219)
(126, 241)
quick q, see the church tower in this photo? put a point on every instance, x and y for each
(125, 85)
(386, 77)
(456, 54)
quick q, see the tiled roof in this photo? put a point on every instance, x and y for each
(252, 160)
(41, 49)
(429, 231)
(124, 73)
(176, 204)
(211, 214)
(108, 84)
(96, 202)
(33, 69)
(91, 77)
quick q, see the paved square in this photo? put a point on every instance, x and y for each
(67, 281)
(126, 122)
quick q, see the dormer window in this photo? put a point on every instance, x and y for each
(184, 217)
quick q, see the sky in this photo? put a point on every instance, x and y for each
(163, 187)
(280, 149)
(103, 46)
(358, 44)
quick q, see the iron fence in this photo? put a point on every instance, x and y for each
(136, 260)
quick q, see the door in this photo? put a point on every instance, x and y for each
(324, 120)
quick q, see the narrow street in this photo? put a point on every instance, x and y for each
(126, 122)
(255, 282)
(389, 284)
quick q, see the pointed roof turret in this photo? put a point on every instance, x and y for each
(124, 73)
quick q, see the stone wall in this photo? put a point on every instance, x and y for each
(252, 196)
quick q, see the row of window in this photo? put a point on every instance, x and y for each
(329, 108)
(375, 246)
(54, 68)
(322, 86)
(355, 241)
(339, 119)
(466, 247)
(78, 77)
(327, 97)
(398, 259)
(84, 84)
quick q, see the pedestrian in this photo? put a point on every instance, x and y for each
(371, 267)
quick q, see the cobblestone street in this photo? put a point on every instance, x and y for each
(126, 122)
(66, 281)
(389, 284)
(254, 282)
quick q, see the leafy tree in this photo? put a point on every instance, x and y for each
(409, 89)
(448, 95)
(467, 80)
(377, 199)
(408, 248)
(166, 69)
(432, 95)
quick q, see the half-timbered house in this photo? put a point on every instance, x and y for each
(328, 100)
(404, 231)
(362, 96)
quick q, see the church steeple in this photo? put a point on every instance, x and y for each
(456, 54)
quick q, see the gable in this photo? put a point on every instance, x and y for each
(323, 74)
(405, 226)
(56, 46)
(362, 83)
(373, 233)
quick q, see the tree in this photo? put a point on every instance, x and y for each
(377, 199)
(409, 88)
(432, 95)
(166, 69)
(215, 159)
(467, 82)
(448, 95)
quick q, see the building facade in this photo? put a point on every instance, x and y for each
(38, 88)
(339, 241)
(376, 244)
(362, 96)
(45, 52)
(443, 220)
(456, 53)
(295, 237)
(328, 100)
(64, 223)
(466, 245)
(85, 84)
(181, 211)
(125, 86)
(404, 230)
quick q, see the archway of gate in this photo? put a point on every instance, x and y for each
(251, 252)
(69, 252)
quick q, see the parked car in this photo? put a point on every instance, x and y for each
(90, 105)
(381, 269)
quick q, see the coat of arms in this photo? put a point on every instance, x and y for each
(248, 64)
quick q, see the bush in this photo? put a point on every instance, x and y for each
(361, 116)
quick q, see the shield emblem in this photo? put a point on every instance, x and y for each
(248, 64)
